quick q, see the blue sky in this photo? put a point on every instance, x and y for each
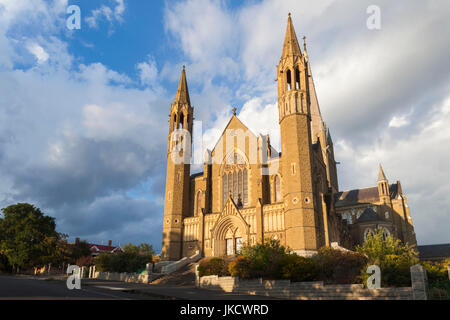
(83, 113)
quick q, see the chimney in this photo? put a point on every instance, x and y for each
(109, 243)
(77, 241)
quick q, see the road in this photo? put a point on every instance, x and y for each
(27, 288)
(30, 288)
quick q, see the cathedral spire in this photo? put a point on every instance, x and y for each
(291, 46)
(381, 175)
(182, 96)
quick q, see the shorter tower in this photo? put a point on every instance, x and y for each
(383, 186)
(176, 205)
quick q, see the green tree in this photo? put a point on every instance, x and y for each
(79, 250)
(392, 256)
(132, 259)
(28, 236)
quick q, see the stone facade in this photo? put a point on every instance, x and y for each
(248, 191)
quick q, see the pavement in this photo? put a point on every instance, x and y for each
(54, 288)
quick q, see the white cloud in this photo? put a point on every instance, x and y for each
(109, 13)
(262, 118)
(39, 52)
(397, 122)
(148, 72)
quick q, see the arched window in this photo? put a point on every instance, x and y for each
(240, 191)
(277, 189)
(245, 187)
(346, 216)
(181, 124)
(230, 183)
(235, 187)
(235, 179)
(225, 188)
(297, 78)
(366, 233)
(174, 121)
(199, 203)
(386, 233)
(289, 79)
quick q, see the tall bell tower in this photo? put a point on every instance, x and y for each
(302, 231)
(176, 205)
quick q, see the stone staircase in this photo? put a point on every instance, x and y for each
(185, 277)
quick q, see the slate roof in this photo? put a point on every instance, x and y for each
(434, 251)
(369, 215)
(360, 196)
(195, 175)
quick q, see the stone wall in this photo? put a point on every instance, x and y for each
(124, 277)
(177, 265)
(285, 289)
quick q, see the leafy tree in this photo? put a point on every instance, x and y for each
(392, 256)
(79, 250)
(28, 236)
(143, 249)
(133, 259)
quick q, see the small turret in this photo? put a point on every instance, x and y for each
(383, 185)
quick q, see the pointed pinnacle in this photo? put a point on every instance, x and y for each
(182, 95)
(291, 46)
(381, 175)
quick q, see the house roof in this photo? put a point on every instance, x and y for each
(434, 251)
(361, 196)
(103, 248)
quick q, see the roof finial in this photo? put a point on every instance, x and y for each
(289, 14)
(184, 67)
(304, 43)
(234, 111)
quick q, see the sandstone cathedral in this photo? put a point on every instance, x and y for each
(249, 192)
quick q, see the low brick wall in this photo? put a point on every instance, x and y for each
(125, 277)
(286, 289)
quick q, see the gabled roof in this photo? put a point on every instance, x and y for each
(361, 196)
(434, 251)
(234, 120)
(369, 215)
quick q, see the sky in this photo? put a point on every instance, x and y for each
(84, 112)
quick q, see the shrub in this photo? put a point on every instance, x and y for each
(241, 267)
(266, 259)
(213, 266)
(340, 267)
(392, 256)
(85, 261)
(437, 271)
(103, 262)
(296, 268)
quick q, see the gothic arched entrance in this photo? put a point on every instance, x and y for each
(228, 236)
